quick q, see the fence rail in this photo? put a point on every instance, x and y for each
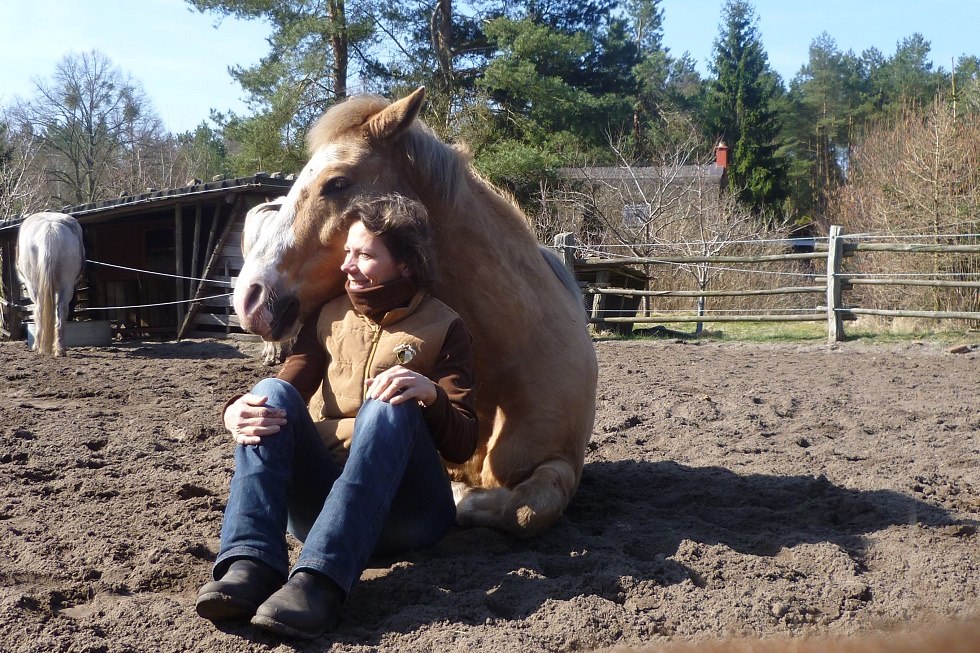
(834, 311)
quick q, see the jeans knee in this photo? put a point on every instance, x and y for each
(280, 393)
(373, 409)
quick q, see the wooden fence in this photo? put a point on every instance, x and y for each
(599, 288)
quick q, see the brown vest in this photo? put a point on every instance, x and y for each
(358, 349)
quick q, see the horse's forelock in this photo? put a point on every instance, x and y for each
(343, 117)
(436, 167)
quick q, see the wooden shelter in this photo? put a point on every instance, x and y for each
(158, 263)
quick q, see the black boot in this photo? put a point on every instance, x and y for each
(307, 606)
(243, 588)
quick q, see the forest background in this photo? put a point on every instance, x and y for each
(875, 141)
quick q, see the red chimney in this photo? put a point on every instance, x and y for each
(721, 155)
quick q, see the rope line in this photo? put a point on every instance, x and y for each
(179, 301)
(161, 274)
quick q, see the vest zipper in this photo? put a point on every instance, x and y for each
(375, 338)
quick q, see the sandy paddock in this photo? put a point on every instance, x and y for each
(729, 489)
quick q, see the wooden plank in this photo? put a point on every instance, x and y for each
(659, 319)
(704, 293)
(910, 248)
(936, 315)
(215, 319)
(936, 283)
(761, 258)
(217, 301)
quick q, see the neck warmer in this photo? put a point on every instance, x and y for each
(376, 301)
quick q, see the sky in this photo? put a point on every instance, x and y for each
(181, 58)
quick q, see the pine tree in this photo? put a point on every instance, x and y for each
(741, 110)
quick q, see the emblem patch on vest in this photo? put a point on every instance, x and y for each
(404, 353)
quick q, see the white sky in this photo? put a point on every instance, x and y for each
(181, 60)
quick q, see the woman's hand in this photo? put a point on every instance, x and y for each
(398, 384)
(249, 419)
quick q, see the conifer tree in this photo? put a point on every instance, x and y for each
(741, 111)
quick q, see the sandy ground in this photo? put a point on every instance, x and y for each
(728, 489)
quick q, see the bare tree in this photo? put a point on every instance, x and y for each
(918, 176)
(95, 128)
(676, 207)
(20, 182)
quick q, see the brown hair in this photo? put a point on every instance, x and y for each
(402, 224)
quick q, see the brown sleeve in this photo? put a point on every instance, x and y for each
(305, 367)
(452, 416)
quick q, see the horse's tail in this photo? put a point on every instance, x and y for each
(46, 305)
(561, 271)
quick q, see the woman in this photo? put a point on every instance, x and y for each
(344, 448)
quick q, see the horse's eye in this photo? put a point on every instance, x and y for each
(335, 185)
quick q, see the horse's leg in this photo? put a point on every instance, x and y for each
(61, 315)
(524, 510)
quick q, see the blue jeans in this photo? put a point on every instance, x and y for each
(392, 495)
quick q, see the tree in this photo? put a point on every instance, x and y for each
(821, 114)
(20, 183)
(918, 175)
(313, 46)
(669, 89)
(204, 152)
(741, 111)
(95, 129)
(551, 98)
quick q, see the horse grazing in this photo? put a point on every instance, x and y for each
(535, 362)
(273, 352)
(50, 257)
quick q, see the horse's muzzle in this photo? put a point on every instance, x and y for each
(285, 315)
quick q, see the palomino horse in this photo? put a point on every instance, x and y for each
(535, 363)
(50, 256)
(273, 351)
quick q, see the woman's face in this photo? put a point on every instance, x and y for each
(368, 262)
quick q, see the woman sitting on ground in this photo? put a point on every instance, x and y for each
(345, 448)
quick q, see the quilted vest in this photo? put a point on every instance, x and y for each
(358, 349)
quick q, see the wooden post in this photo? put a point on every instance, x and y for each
(237, 213)
(196, 246)
(835, 254)
(564, 244)
(179, 263)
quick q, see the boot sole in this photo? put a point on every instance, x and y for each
(284, 629)
(217, 606)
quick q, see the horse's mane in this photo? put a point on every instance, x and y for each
(440, 168)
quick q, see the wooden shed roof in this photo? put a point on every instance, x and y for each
(155, 200)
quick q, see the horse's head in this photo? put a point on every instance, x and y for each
(293, 265)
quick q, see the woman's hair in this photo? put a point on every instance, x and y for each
(402, 225)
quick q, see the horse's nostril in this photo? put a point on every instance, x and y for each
(254, 298)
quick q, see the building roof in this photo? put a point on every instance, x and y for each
(154, 200)
(617, 173)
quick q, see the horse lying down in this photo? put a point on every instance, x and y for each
(273, 352)
(50, 259)
(955, 637)
(534, 360)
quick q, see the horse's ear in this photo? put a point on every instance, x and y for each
(392, 121)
